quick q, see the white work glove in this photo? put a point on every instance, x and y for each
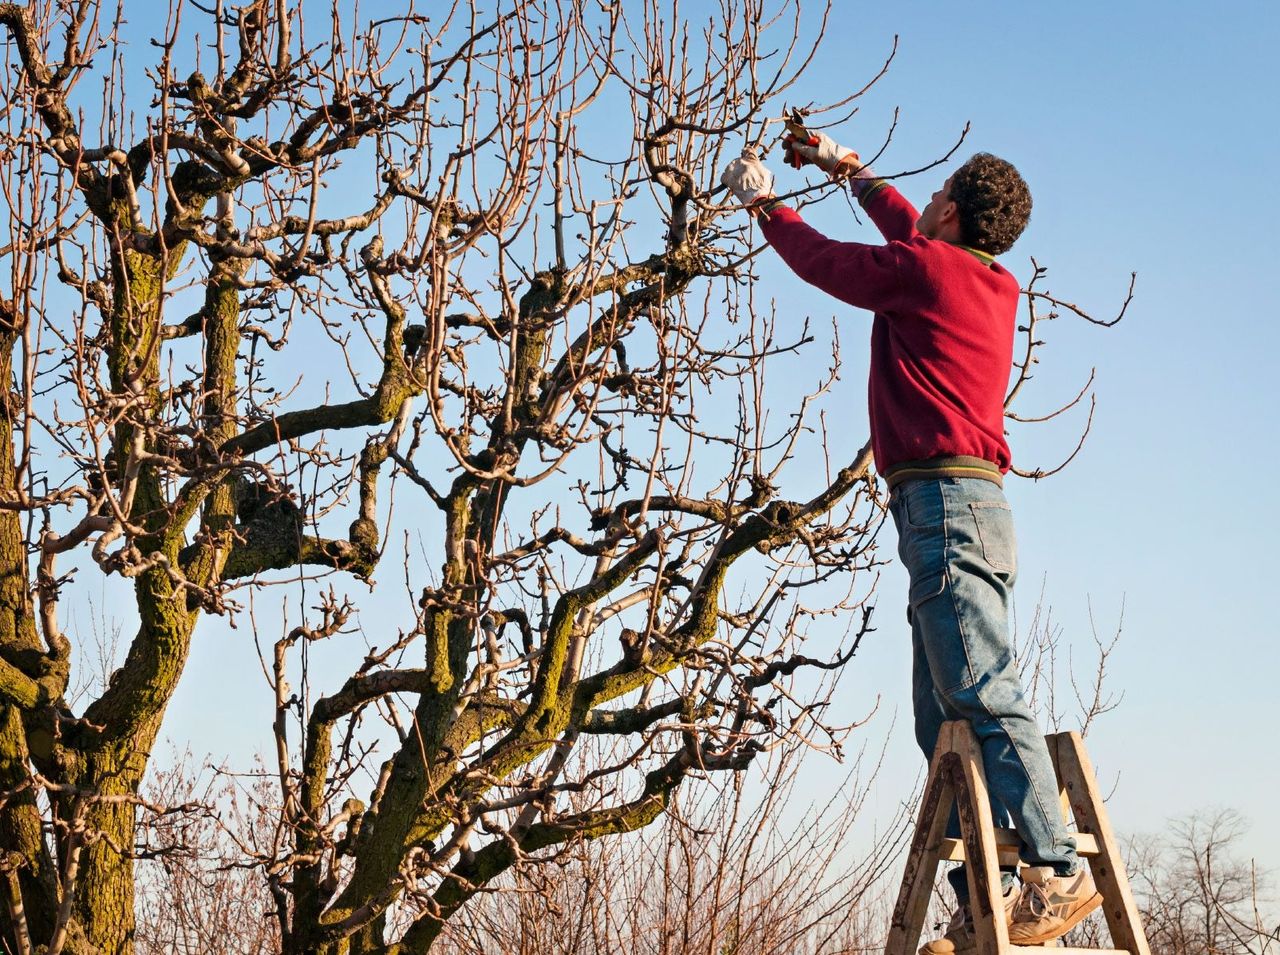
(839, 162)
(748, 178)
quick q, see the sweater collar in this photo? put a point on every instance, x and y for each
(984, 257)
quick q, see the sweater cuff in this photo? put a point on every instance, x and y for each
(777, 211)
(766, 206)
(865, 183)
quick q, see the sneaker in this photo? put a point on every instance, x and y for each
(1051, 905)
(960, 939)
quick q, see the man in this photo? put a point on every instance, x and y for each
(941, 354)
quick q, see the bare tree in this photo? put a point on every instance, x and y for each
(196, 894)
(723, 874)
(514, 307)
(1198, 895)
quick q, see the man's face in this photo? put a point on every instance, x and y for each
(939, 209)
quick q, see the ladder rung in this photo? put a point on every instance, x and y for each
(1007, 845)
(1069, 951)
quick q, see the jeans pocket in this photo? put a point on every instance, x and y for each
(995, 530)
(922, 503)
(923, 590)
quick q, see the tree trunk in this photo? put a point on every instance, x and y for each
(22, 846)
(104, 894)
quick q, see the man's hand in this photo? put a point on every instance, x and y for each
(748, 179)
(839, 162)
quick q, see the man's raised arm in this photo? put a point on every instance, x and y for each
(893, 215)
(864, 276)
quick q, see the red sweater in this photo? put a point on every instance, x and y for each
(942, 337)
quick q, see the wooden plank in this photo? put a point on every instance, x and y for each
(1108, 867)
(922, 858)
(1053, 741)
(991, 932)
(1008, 844)
(1069, 951)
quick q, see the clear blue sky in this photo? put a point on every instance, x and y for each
(1148, 134)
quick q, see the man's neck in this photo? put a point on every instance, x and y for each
(948, 232)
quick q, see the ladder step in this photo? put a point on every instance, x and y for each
(1008, 844)
(1069, 951)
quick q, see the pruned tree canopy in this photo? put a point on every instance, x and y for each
(447, 298)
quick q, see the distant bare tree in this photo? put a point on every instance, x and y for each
(1199, 895)
(195, 894)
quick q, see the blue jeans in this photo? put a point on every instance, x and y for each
(955, 537)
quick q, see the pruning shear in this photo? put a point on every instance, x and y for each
(794, 121)
(798, 132)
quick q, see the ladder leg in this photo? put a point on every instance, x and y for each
(922, 858)
(1108, 867)
(1051, 741)
(982, 867)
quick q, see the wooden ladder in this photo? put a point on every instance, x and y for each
(956, 776)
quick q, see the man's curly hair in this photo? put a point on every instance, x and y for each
(993, 203)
